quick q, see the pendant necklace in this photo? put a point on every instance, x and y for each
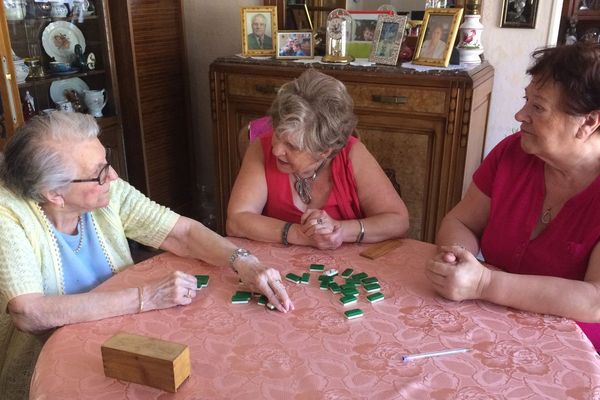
(302, 185)
(80, 229)
(547, 216)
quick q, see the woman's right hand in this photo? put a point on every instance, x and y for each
(177, 288)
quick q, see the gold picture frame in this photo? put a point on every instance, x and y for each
(388, 39)
(259, 30)
(437, 36)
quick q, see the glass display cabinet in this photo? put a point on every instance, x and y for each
(57, 55)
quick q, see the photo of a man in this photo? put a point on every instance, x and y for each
(259, 39)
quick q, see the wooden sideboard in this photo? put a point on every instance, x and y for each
(426, 129)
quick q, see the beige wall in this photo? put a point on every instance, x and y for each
(213, 30)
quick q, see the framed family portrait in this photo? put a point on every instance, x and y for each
(388, 39)
(436, 39)
(295, 44)
(259, 24)
(519, 14)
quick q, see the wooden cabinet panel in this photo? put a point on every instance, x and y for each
(150, 53)
(426, 130)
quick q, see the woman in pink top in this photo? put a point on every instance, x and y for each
(307, 181)
(534, 207)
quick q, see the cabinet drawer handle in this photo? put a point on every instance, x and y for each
(11, 99)
(389, 99)
(267, 89)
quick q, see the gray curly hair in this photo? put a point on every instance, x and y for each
(316, 110)
(33, 162)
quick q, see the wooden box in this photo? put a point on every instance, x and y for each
(145, 360)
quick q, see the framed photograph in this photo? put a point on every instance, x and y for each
(259, 24)
(364, 23)
(436, 39)
(519, 14)
(295, 44)
(302, 18)
(388, 39)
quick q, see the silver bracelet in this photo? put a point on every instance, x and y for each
(361, 234)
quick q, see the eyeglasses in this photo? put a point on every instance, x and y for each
(102, 176)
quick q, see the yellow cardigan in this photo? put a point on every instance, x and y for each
(30, 262)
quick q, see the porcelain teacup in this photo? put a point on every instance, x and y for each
(95, 100)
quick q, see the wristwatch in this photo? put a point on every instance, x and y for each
(237, 253)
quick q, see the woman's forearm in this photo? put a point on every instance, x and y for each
(454, 232)
(376, 228)
(545, 294)
(36, 313)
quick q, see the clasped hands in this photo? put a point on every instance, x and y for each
(322, 231)
(457, 275)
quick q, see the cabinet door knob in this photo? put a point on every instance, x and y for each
(267, 89)
(377, 98)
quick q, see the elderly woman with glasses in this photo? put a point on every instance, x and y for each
(65, 218)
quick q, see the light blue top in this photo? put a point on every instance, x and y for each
(86, 269)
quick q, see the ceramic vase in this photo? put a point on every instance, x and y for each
(470, 46)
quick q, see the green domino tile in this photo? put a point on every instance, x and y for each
(346, 300)
(262, 300)
(305, 278)
(293, 278)
(348, 286)
(241, 297)
(368, 281)
(201, 281)
(350, 292)
(373, 287)
(375, 297)
(360, 276)
(324, 285)
(242, 293)
(352, 282)
(334, 287)
(354, 313)
(316, 267)
(347, 272)
(325, 278)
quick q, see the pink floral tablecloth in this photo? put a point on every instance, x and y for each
(244, 351)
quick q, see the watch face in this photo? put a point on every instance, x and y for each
(335, 28)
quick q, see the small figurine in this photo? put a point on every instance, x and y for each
(73, 97)
(28, 106)
(571, 35)
(79, 60)
(91, 61)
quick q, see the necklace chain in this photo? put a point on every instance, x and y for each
(302, 185)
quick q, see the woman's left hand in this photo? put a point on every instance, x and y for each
(457, 275)
(266, 280)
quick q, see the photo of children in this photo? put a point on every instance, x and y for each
(294, 44)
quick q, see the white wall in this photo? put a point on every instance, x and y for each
(508, 50)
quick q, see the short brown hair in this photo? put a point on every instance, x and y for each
(576, 68)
